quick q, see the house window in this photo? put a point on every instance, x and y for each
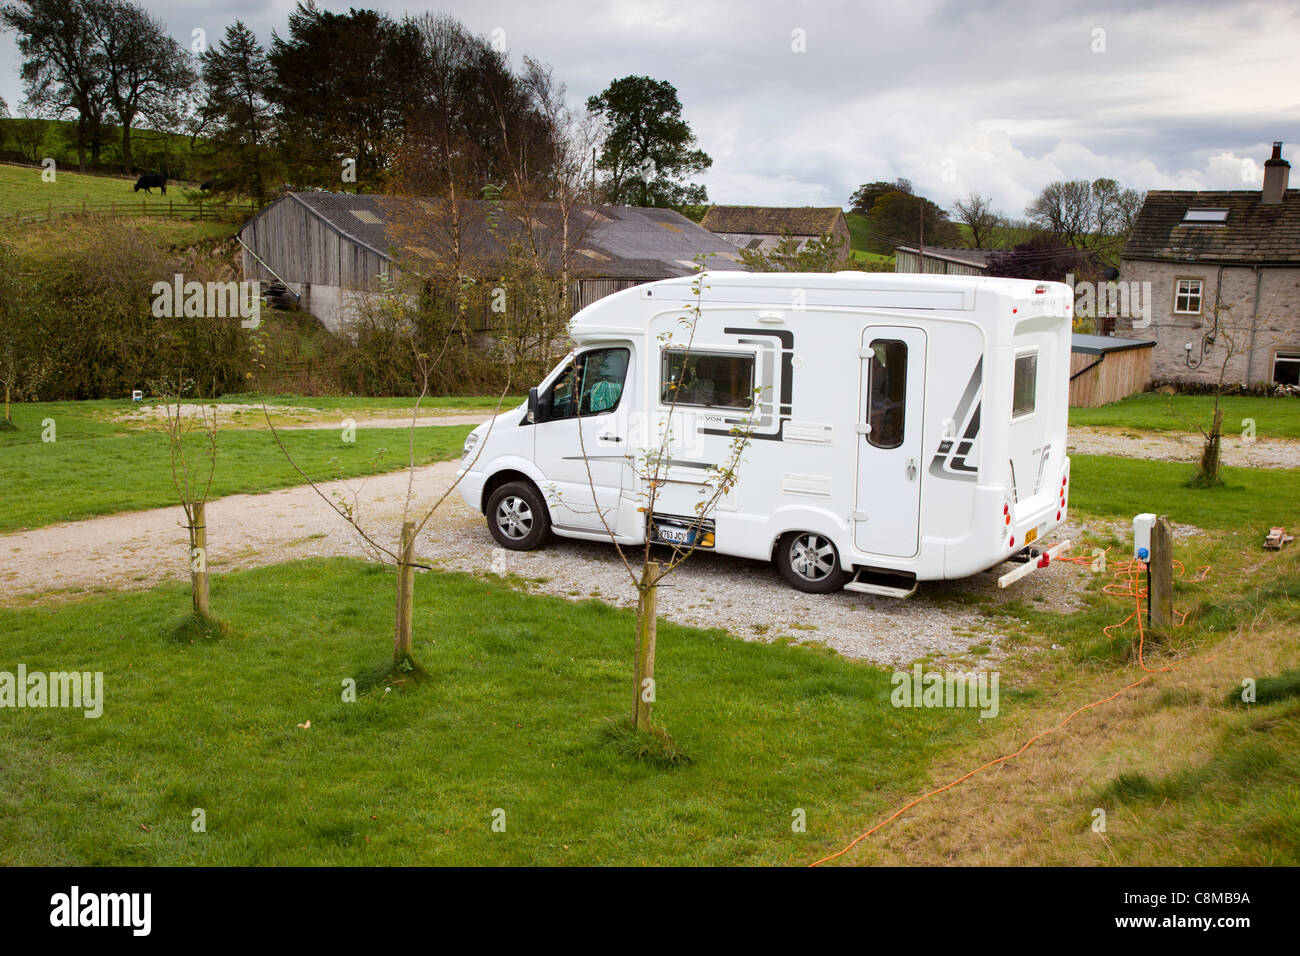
(1205, 217)
(887, 393)
(707, 379)
(1187, 296)
(1286, 368)
(1024, 387)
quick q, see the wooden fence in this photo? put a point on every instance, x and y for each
(215, 212)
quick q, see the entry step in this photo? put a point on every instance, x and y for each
(883, 583)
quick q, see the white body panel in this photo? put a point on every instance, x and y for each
(950, 489)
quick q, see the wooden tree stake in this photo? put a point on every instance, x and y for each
(405, 594)
(199, 558)
(1161, 571)
(645, 649)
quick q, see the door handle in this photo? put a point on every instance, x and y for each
(611, 437)
(911, 469)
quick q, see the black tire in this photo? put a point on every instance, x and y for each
(810, 562)
(517, 516)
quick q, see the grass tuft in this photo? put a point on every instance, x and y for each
(654, 747)
(198, 628)
(1268, 690)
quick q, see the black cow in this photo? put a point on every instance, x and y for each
(149, 180)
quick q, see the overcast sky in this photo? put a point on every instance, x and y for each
(996, 97)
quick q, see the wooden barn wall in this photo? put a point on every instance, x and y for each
(302, 248)
(1120, 375)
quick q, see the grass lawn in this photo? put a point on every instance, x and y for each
(96, 467)
(1251, 500)
(1151, 411)
(522, 692)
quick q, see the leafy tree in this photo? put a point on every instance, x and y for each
(146, 72)
(649, 151)
(236, 77)
(63, 69)
(902, 218)
(865, 196)
(341, 87)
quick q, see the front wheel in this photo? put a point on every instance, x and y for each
(517, 516)
(810, 562)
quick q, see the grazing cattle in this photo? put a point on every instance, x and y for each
(149, 180)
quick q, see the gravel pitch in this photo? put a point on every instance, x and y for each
(135, 550)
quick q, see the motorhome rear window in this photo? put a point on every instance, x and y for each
(1024, 391)
(887, 393)
(707, 379)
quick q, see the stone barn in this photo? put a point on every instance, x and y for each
(761, 228)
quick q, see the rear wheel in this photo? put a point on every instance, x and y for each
(809, 561)
(517, 516)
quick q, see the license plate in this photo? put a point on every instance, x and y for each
(1031, 535)
(670, 535)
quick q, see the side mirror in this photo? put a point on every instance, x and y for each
(534, 406)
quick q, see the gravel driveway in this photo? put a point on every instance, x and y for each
(138, 549)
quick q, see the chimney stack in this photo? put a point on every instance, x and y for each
(1277, 172)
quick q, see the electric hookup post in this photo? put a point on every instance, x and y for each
(1153, 545)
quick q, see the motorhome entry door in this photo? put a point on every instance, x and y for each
(891, 409)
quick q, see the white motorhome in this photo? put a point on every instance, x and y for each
(902, 428)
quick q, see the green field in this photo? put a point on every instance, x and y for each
(522, 692)
(22, 190)
(97, 467)
(1151, 411)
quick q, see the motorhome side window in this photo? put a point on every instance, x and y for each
(707, 379)
(599, 375)
(1025, 389)
(887, 393)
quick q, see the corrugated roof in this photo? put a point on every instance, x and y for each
(772, 220)
(605, 241)
(1253, 231)
(1097, 344)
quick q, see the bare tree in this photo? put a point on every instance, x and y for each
(192, 485)
(652, 466)
(980, 218)
(402, 556)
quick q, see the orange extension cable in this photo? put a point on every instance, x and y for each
(1129, 584)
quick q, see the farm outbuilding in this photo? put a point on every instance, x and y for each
(941, 260)
(764, 228)
(1105, 369)
(331, 251)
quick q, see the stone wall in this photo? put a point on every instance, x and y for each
(1277, 327)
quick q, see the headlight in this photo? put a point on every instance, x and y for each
(470, 442)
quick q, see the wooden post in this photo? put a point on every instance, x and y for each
(1161, 572)
(405, 594)
(199, 558)
(645, 647)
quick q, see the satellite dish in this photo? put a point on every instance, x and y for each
(1111, 274)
